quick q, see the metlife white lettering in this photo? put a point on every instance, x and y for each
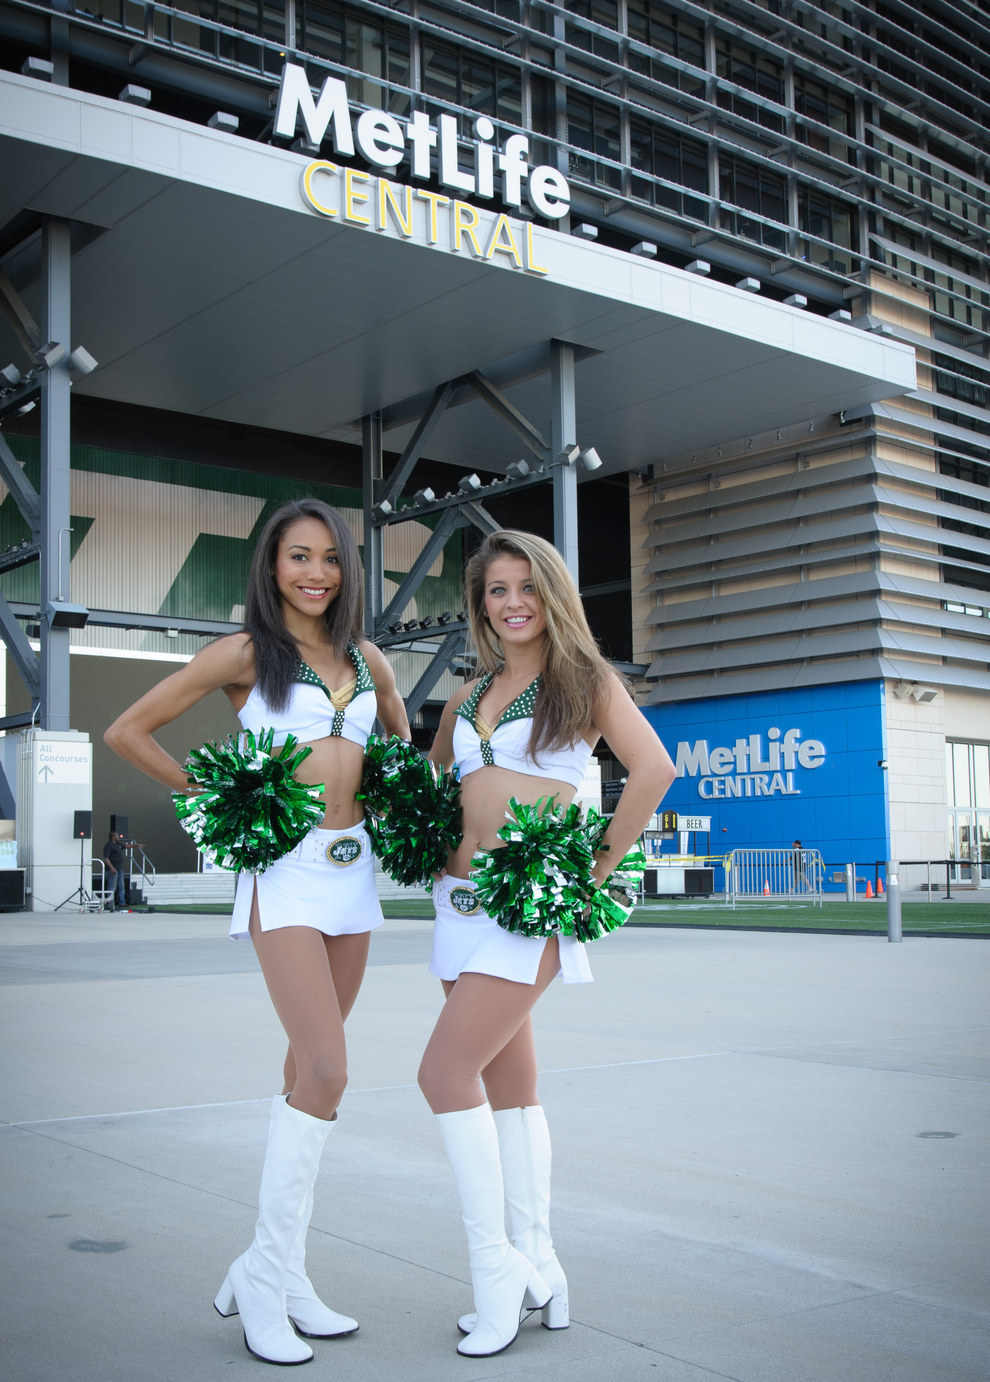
(748, 768)
(384, 141)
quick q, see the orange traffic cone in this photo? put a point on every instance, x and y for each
(869, 888)
(766, 887)
(879, 887)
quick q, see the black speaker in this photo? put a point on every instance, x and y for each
(11, 890)
(82, 825)
(120, 824)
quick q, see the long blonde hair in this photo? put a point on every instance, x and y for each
(575, 676)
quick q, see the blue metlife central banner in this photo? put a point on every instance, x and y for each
(779, 766)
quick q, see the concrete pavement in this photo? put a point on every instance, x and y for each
(770, 1159)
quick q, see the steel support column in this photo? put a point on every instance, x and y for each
(374, 534)
(563, 442)
(56, 254)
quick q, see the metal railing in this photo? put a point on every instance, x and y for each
(775, 873)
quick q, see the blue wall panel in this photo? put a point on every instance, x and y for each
(777, 766)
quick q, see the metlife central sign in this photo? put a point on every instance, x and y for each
(384, 141)
(773, 767)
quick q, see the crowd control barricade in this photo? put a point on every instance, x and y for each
(781, 874)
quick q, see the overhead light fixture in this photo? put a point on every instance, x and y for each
(11, 376)
(699, 266)
(426, 622)
(568, 455)
(40, 68)
(468, 484)
(590, 458)
(796, 300)
(646, 249)
(841, 316)
(424, 496)
(223, 120)
(584, 231)
(50, 354)
(381, 511)
(395, 626)
(171, 633)
(518, 470)
(411, 624)
(924, 695)
(749, 285)
(61, 615)
(134, 95)
(444, 618)
(81, 362)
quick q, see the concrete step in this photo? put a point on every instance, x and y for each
(217, 886)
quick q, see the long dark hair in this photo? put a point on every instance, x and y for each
(575, 678)
(276, 657)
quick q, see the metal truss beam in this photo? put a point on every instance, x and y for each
(383, 501)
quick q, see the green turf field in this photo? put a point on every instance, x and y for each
(943, 918)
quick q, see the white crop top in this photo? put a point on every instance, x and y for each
(476, 745)
(314, 711)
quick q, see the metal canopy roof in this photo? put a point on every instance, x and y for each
(203, 283)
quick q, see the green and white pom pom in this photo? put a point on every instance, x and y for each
(412, 810)
(251, 810)
(540, 883)
(609, 906)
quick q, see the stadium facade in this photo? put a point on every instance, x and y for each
(730, 257)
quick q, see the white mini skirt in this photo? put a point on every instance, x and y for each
(466, 940)
(327, 882)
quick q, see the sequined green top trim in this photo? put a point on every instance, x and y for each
(363, 681)
(519, 709)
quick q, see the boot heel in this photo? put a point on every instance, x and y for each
(538, 1295)
(555, 1312)
(225, 1304)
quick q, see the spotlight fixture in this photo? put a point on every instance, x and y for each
(223, 120)
(590, 458)
(171, 633)
(882, 763)
(468, 484)
(584, 231)
(749, 285)
(26, 409)
(699, 266)
(61, 615)
(381, 511)
(410, 625)
(426, 622)
(646, 249)
(518, 470)
(50, 354)
(11, 376)
(81, 362)
(395, 626)
(840, 316)
(424, 496)
(444, 618)
(796, 300)
(569, 455)
(134, 95)
(40, 68)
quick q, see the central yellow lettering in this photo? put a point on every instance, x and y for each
(466, 223)
(388, 197)
(435, 200)
(496, 244)
(309, 173)
(531, 263)
(355, 193)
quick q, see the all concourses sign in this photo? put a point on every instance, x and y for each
(434, 218)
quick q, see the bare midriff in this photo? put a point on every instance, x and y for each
(485, 797)
(338, 764)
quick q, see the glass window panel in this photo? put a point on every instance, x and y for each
(960, 757)
(981, 774)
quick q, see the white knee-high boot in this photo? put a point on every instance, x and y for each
(307, 1312)
(524, 1147)
(255, 1283)
(500, 1275)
